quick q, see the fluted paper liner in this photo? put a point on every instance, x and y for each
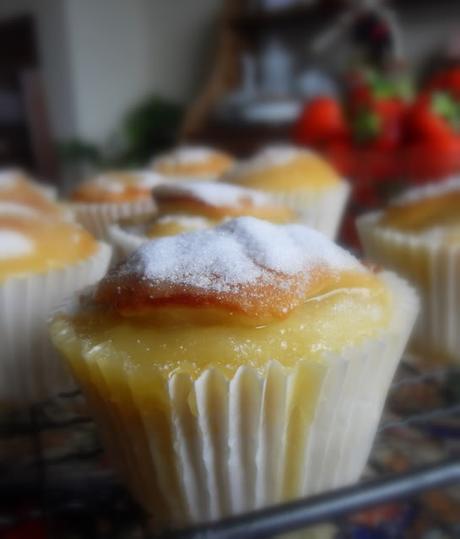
(97, 217)
(124, 242)
(434, 270)
(199, 450)
(30, 370)
(322, 211)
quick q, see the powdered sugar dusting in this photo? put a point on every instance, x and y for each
(271, 156)
(108, 184)
(148, 180)
(20, 210)
(237, 252)
(213, 193)
(185, 155)
(441, 188)
(14, 244)
(8, 178)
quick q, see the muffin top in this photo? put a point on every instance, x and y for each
(32, 244)
(244, 293)
(194, 162)
(284, 168)
(433, 210)
(117, 187)
(21, 196)
(245, 265)
(188, 206)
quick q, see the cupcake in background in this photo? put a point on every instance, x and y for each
(300, 179)
(111, 196)
(418, 236)
(198, 163)
(43, 259)
(189, 206)
(236, 367)
(19, 193)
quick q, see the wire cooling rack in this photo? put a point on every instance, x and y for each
(65, 488)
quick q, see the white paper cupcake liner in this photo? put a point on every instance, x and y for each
(97, 217)
(433, 268)
(199, 450)
(321, 211)
(30, 370)
(123, 241)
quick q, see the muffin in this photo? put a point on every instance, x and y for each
(18, 193)
(418, 236)
(42, 261)
(189, 206)
(236, 367)
(110, 196)
(198, 163)
(300, 179)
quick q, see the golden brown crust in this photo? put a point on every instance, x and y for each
(113, 187)
(24, 193)
(215, 164)
(244, 266)
(417, 215)
(189, 203)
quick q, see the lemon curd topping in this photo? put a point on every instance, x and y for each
(426, 209)
(17, 191)
(188, 206)
(193, 161)
(170, 225)
(285, 168)
(36, 245)
(237, 302)
(117, 186)
(191, 341)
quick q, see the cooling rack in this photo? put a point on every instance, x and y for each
(64, 487)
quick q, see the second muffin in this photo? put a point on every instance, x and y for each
(237, 367)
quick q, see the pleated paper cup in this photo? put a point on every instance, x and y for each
(433, 268)
(30, 370)
(198, 450)
(97, 217)
(322, 211)
(124, 242)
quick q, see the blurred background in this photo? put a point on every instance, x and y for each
(373, 85)
(109, 80)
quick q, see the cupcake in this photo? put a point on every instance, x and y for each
(418, 236)
(236, 367)
(110, 196)
(20, 194)
(42, 261)
(300, 179)
(188, 206)
(198, 163)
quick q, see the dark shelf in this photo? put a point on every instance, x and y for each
(285, 19)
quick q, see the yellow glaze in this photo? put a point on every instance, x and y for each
(426, 214)
(55, 245)
(124, 366)
(191, 340)
(307, 171)
(23, 192)
(171, 227)
(216, 164)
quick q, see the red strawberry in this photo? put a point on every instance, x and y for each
(433, 117)
(320, 122)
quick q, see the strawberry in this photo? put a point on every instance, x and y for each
(434, 117)
(320, 122)
(379, 125)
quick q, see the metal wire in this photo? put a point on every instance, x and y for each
(325, 507)
(66, 496)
